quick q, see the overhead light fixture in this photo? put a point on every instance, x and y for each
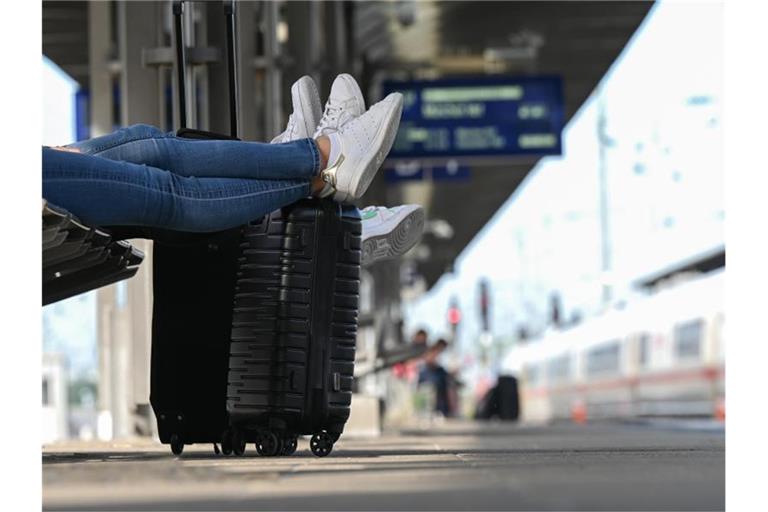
(523, 46)
(440, 229)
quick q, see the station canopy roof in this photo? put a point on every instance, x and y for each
(577, 41)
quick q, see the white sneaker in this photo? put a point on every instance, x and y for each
(306, 111)
(344, 104)
(390, 232)
(364, 142)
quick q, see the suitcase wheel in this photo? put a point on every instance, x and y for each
(226, 442)
(238, 443)
(269, 444)
(176, 445)
(321, 444)
(289, 445)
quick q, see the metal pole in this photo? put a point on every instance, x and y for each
(274, 100)
(245, 53)
(181, 64)
(314, 41)
(100, 77)
(229, 10)
(101, 122)
(137, 29)
(605, 239)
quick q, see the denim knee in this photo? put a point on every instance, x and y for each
(142, 131)
(122, 136)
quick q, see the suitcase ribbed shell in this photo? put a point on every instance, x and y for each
(294, 322)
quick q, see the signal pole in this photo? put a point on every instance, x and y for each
(605, 229)
(454, 317)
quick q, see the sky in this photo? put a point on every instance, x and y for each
(662, 105)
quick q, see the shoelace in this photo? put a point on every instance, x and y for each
(330, 117)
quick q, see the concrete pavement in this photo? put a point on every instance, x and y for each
(457, 466)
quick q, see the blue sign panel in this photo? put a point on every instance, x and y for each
(415, 171)
(404, 173)
(483, 116)
(451, 172)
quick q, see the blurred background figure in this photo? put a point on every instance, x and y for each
(419, 338)
(433, 374)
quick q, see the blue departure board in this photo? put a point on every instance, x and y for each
(480, 116)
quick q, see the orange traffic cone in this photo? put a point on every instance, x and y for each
(579, 412)
(720, 409)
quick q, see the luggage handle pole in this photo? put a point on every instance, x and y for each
(178, 9)
(229, 12)
(181, 65)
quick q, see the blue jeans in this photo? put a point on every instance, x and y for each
(140, 176)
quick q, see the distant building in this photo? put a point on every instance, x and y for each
(55, 405)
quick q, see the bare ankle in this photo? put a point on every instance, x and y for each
(317, 184)
(324, 148)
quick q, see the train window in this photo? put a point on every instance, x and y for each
(604, 359)
(559, 368)
(46, 392)
(643, 350)
(532, 375)
(688, 339)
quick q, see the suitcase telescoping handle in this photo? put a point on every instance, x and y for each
(229, 13)
(181, 65)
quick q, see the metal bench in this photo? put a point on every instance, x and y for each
(78, 258)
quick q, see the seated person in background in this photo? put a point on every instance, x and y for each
(420, 339)
(432, 372)
(410, 357)
(141, 176)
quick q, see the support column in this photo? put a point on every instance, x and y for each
(105, 302)
(246, 54)
(274, 75)
(335, 59)
(218, 77)
(100, 78)
(139, 27)
(100, 51)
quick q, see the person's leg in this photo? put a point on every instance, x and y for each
(103, 192)
(145, 144)
(441, 391)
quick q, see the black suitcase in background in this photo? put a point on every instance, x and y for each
(294, 327)
(502, 401)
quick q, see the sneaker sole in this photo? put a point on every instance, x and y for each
(397, 241)
(383, 139)
(304, 92)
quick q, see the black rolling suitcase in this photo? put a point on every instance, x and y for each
(294, 327)
(194, 280)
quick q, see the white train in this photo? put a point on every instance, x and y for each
(660, 355)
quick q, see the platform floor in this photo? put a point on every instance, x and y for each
(457, 466)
